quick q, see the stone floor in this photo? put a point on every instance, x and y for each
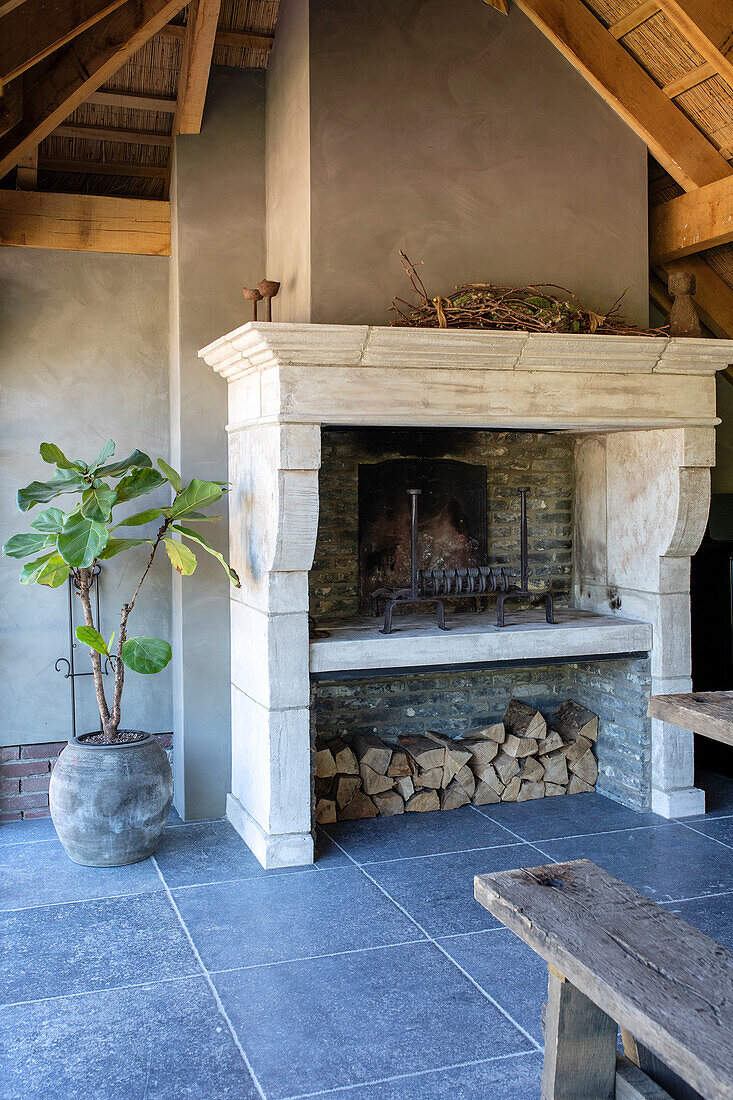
(372, 976)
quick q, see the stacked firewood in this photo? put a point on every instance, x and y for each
(514, 760)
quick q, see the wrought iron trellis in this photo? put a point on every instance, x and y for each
(67, 665)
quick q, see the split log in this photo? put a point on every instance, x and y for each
(359, 807)
(400, 764)
(556, 768)
(373, 752)
(530, 790)
(325, 811)
(506, 767)
(423, 751)
(325, 763)
(346, 788)
(579, 786)
(455, 755)
(404, 786)
(520, 746)
(550, 743)
(512, 789)
(389, 803)
(532, 770)
(524, 721)
(553, 789)
(423, 800)
(343, 755)
(487, 774)
(495, 732)
(467, 779)
(573, 721)
(432, 777)
(484, 795)
(325, 786)
(586, 768)
(372, 782)
(482, 751)
(453, 796)
(575, 749)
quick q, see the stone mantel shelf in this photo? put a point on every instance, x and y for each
(474, 639)
(363, 374)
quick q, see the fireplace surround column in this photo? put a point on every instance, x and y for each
(274, 519)
(642, 500)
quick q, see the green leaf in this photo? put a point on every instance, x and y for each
(51, 453)
(139, 518)
(97, 501)
(20, 546)
(182, 559)
(51, 521)
(54, 572)
(199, 517)
(91, 637)
(31, 569)
(107, 451)
(145, 655)
(111, 640)
(137, 484)
(116, 546)
(40, 492)
(197, 495)
(137, 460)
(171, 475)
(194, 536)
(81, 541)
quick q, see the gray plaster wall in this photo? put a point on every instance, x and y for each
(457, 134)
(83, 358)
(217, 247)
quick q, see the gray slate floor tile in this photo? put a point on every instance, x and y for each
(27, 832)
(417, 834)
(666, 864)
(211, 851)
(438, 890)
(718, 794)
(346, 1019)
(546, 818)
(42, 874)
(163, 1042)
(713, 916)
(60, 949)
(506, 968)
(289, 917)
(718, 828)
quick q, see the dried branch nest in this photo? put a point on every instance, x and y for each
(527, 308)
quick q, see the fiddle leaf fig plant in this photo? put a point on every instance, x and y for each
(70, 542)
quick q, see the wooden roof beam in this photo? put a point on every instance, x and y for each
(37, 28)
(634, 19)
(244, 40)
(133, 101)
(109, 133)
(708, 26)
(193, 79)
(675, 141)
(84, 223)
(689, 80)
(57, 86)
(101, 168)
(691, 223)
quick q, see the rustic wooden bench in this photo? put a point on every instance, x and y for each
(616, 958)
(708, 713)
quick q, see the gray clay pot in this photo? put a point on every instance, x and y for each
(110, 803)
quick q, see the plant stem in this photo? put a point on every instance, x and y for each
(85, 583)
(122, 637)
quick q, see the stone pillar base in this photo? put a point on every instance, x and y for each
(686, 802)
(272, 849)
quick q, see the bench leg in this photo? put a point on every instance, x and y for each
(580, 1045)
(668, 1082)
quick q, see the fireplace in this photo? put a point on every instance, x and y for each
(621, 430)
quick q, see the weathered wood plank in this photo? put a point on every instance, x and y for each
(659, 978)
(85, 223)
(580, 1046)
(709, 713)
(633, 1084)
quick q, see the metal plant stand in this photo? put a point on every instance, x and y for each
(67, 665)
(433, 586)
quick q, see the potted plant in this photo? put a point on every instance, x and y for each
(111, 789)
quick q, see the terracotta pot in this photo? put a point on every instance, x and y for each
(110, 803)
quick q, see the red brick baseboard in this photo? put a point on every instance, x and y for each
(25, 771)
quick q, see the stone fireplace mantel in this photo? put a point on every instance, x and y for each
(642, 411)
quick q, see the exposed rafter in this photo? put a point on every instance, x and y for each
(101, 167)
(193, 79)
(691, 223)
(38, 28)
(84, 223)
(109, 133)
(708, 27)
(57, 86)
(134, 101)
(243, 40)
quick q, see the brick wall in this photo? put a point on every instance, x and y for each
(541, 460)
(25, 772)
(451, 702)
